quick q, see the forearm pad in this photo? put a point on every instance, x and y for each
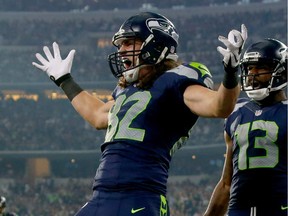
(231, 78)
(70, 87)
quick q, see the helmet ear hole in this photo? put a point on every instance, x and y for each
(153, 52)
(159, 47)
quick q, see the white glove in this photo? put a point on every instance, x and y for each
(55, 67)
(234, 44)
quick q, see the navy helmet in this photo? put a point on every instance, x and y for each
(2, 202)
(269, 52)
(160, 41)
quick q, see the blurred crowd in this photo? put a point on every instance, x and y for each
(67, 5)
(63, 198)
(45, 125)
(23, 35)
(53, 125)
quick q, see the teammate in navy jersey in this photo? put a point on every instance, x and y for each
(3, 211)
(156, 103)
(254, 178)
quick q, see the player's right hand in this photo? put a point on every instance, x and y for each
(55, 67)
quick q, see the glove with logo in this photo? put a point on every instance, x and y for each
(57, 69)
(231, 55)
(234, 44)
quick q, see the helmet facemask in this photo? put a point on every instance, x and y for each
(125, 63)
(159, 41)
(268, 53)
(254, 88)
(258, 90)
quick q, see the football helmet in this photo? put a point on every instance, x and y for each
(270, 52)
(2, 202)
(159, 41)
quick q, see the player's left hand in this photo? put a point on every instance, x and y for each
(55, 67)
(234, 43)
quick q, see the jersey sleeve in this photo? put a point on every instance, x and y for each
(181, 77)
(231, 122)
(203, 76)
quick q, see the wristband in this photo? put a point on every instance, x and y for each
(61, 79)
(70, 88)
(230, 79)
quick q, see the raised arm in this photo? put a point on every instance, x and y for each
(220, 103)
(219, 200)
(92, 109)
(208, 103)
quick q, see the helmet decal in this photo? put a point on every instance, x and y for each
(164, 26)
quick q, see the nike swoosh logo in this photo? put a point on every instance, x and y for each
(133, 211)
(284, 207)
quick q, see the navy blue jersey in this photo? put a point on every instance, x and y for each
(259, 137)
(145, 128)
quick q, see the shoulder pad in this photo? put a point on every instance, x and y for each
(200, 67)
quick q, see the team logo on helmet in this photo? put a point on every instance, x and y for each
(163, 26)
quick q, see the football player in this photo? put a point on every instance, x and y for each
(254, 179)
(157, 101)
(3, 206)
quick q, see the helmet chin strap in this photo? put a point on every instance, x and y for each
(173, 56)
(131, 75)
(258, 94)
(262, 93)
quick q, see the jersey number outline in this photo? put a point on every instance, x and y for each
(271, 159)
(120, 129)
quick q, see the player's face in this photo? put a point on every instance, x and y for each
(259, 76)
(129, 50)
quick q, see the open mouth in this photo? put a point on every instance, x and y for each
(255, 84)
(127, 63)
